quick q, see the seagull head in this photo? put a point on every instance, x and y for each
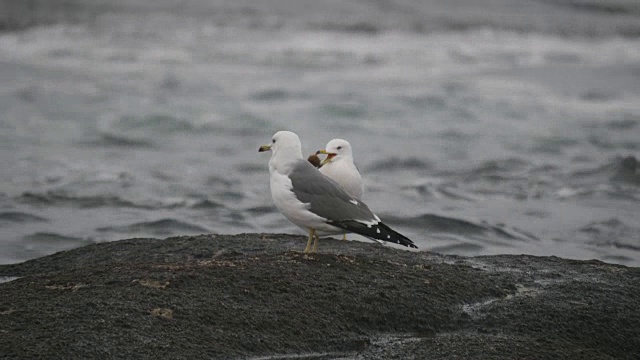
(284, 145)
(336, 149)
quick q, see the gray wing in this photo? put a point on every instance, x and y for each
(328, 200)
(326, 197)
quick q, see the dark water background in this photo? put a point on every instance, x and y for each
(480, 126)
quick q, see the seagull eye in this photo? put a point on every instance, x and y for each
(273, 141)
(339, 148)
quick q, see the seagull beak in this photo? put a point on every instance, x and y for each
(264, 148)
(328, 158)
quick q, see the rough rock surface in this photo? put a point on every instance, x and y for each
(258, 296)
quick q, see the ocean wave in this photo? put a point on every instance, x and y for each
(162, 227)
(219, 182)
(250, 168)
(623, 170)
(205, 204)
(63, 198)
(626, 170)
(48, 237)
(437, 188)
(514, 178)
(142, 130)
(458, 247)
(52, 198)
(493, 168)
(44, 243)
(268, 95)
(118, 140)
(20, 217)
(157, 123)
(613, 232)
(261, 210)
(432, 223)
(451, 191)
(394, 164)
(345, 109)
(626, 123)
(553, 144)
(579, 17)
(607, 7)
(355, 27)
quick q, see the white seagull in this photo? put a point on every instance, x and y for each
(339, 167)
(316, 203)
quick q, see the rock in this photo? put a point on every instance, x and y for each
(253, 295)
(314, 160)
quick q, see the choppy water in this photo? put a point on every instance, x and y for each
(481, 127)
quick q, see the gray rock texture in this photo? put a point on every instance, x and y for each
(258, 296)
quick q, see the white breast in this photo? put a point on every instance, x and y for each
(345, 173)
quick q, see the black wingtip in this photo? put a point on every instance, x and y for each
(379, 231)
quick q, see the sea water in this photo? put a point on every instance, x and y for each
(479, 126)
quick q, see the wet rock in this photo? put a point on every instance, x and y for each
(314, 160)
(257, 295)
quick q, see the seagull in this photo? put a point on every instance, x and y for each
(339, 167)
(316, 203)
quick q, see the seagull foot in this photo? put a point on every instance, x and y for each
(311, 235)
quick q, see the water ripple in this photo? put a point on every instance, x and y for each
(393, 164)
(20, 217)
(62, 198)
(465, 228)
(118, 140)
(43, 243)
(162, 227)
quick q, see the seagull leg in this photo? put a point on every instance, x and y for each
(311, 234)
(315, 244)
(344, 237)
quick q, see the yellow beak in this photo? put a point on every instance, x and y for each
(264, 148)
(328, 158)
